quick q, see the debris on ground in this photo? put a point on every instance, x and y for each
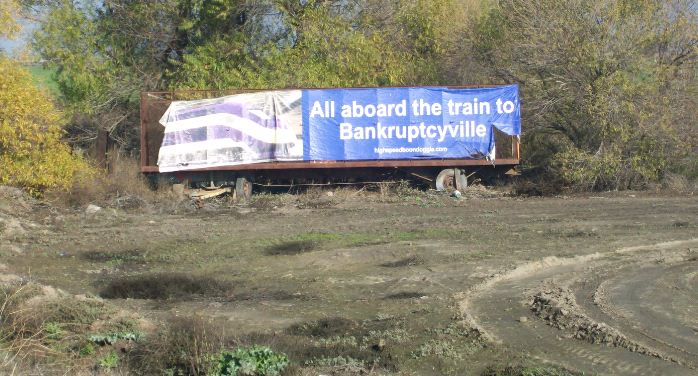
(92, 209)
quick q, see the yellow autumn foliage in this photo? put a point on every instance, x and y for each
(9, 26)
(32, 154)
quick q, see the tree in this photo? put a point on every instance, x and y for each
(32, 154)
(597, 78)
(607, 85)
(105, 53)
(319, 48)
(428, 35)
(9, 26)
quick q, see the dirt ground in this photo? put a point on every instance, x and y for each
(409, 283)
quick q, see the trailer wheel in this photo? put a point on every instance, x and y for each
(243, 189)
(450, 179)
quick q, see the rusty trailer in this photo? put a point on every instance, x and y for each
(440, 173)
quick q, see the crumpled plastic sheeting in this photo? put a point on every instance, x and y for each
(236, 129)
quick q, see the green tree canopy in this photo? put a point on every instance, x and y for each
(607, 85)
(105, 53)
(601, 81)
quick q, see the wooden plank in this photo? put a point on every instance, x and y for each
(204, 194)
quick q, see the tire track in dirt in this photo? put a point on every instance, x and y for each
(654, 308)
(627, 312)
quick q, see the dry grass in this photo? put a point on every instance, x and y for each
(537, 186)
(185, 345)
(324, 197)
(327, 327)
(46, 331)
(266, 201)
(328, 344)
(123, 186)
(43, 326)
(22, 338)
(190, 345)
(390, 192)
(384, 189)
(316, 198)
(679, 184)
(527, 371)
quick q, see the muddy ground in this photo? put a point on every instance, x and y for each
(409, 283)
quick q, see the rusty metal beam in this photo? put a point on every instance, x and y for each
(300, 165)
(144, 152)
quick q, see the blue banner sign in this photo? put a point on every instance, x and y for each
(337, 125)
(407, 123)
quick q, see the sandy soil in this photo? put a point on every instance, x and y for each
(625, 312)
(602, 283)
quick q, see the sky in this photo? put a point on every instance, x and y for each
(20, 41)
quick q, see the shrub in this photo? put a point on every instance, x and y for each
(252, 361)
(41, 326)
(32, 154)
(122, 186)
(587, 171)
(87, 349)
(22, 328)
(526, 371)
(53, 330)
(112, 337)
(109, 361)
(184, 346)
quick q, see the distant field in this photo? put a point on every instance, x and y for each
(44, 78)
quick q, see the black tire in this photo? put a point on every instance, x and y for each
(243, 189)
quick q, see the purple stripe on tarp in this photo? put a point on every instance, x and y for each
(219, 132)
(185, 136)
(233, 108)
(231, 130)
(206, 133)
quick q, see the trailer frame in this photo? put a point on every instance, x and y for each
(154, 103)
